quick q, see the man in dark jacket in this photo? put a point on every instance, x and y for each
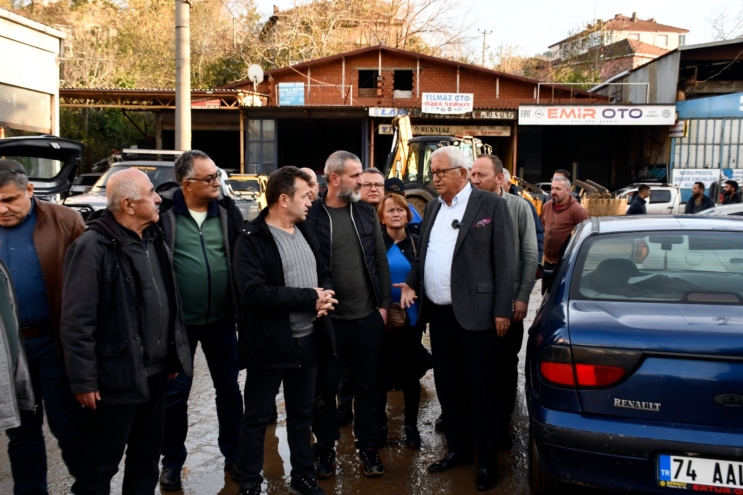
(351, 245)
(34, 236)
(637, 207)
(730, 193)
(698, 201)
(284, 297)
(123, 334)
(201, 228)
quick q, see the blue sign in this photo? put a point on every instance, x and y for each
(291, 94)
(714, 107)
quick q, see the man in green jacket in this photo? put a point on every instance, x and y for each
(201, 228)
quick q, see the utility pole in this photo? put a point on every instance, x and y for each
(484, 34)
(183, 75)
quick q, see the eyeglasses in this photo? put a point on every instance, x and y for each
(376, 185)
(209, 179)
(440, 173)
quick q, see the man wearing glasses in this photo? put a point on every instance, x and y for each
(201, 228)
(372, 186)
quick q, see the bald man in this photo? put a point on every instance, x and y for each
(123, 334)
(314, 185)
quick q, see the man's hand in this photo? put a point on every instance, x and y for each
(172, 376)
(408, 295)
(501, 325)
(325, 301)
(383, 312)
(519, 311)
(88, 399)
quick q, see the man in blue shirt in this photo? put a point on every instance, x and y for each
(34, 236)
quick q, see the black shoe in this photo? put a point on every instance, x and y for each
(412, 437)
(383, 435)
(371, 462)
(306, 484)
(344, 415)
(325, 463)
(486, 479)
(439, 425)
(505, 443)
(253, 490)
(449, 461)
(170, 479)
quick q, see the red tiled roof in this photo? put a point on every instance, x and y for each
(623, 23)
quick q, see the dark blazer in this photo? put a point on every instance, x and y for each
(264, 330)
(637, 207)
(481, 277)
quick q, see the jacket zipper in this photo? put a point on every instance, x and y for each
(208, 277)
(159, 313)
(330, 260)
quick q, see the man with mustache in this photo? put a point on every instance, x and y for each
(352, 246)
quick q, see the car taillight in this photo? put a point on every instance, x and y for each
(586, 367)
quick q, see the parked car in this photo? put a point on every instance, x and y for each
(50, 162)
(250, 186)
(665, 199)
(83, 183)
(160, 173)
(724, 210)
(634, 368)
(545, 186)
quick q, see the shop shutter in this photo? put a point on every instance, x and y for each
(25, 110)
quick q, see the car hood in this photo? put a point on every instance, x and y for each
(66, 151)
(86, 199)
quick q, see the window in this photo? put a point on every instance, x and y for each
(402, 85)
(634, 36)
(682, 39)
(261, 146)
(660, 196)
(674, 267)
(368, 79)
(662, 40)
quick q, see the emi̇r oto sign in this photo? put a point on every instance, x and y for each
(447, 103)
(597, 115)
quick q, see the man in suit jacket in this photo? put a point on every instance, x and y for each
(466, 294)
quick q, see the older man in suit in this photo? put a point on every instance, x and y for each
(466, 294)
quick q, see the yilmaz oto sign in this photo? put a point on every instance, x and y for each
(597, 115)
(447, 103)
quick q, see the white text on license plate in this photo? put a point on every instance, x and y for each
(674, 469)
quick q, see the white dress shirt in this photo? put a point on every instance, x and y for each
(440, 251)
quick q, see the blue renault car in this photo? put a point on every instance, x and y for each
(634, 369)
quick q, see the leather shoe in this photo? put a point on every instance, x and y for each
(486, 479)
(449, 461)
(170, 480)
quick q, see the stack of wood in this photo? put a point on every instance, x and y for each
(603, 205)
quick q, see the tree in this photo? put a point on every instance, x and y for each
(726, 23)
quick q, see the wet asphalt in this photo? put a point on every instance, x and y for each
(405, 469)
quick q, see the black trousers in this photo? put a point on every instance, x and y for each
(138, 428)
(400, 368)
(507, 373)
(261, 387)
(358, 341)
(464, 373)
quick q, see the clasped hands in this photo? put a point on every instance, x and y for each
(325, 301)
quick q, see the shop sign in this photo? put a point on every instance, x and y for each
(205, 103)
(386, 112)
(686, 177)
(461, 130)
(494, 114)
(447, 103)
(386, 130)
(678, 130)
(291, 94)
(597, 115)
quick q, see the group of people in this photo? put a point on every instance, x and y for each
(111, 312)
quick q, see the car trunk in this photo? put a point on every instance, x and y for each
(49, 161)
(689, 366)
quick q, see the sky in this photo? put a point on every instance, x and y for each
(535, 24)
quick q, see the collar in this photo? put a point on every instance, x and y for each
(31, 213)
(179, 205)
(462, 196)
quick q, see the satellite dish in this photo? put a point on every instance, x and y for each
(255, 74)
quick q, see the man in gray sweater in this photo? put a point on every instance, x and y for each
(488, 174)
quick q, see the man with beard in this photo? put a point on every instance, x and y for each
(698, 201)
(352, 246)
(730, 194)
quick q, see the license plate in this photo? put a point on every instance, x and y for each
(692, 473)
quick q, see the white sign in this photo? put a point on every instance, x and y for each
(386, 112)
(461, 130)
(597, 115)
(447, 103)
(678, 130)
(386, 129)
(686, 177)
(494, 114)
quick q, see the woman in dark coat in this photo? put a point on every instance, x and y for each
(403, 358)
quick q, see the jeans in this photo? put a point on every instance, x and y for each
(464, 373)
(138, 428)
(261, 387)
(26, 448)
(359, 342)
(219, 343)
(507, 372)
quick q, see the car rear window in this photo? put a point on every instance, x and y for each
(689, 267)
(158, 175)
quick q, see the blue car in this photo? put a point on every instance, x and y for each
(634, 368)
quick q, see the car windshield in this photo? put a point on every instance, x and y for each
(158, 174)
(38, 168)
(239, 185)
(85, 180)
(674, 267)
